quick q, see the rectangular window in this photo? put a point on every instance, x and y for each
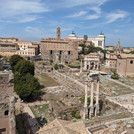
(51, 52)
(99, 43)
(131, 61)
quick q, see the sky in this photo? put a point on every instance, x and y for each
(35, 19)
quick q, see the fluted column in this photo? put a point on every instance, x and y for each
(91, 99)
(85, 104)
(81, 66)
(89, 65)
(97, 98)
(85, 65)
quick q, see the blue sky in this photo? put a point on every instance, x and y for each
(35, 19)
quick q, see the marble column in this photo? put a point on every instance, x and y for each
(85, 65)
(98, 66)
(81, 66)
(94, 66)
(89, 65)
(97, 99)
(91, 99)
(85, 104)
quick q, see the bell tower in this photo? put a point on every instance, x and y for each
(58, 33)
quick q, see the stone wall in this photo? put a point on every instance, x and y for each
(7, 112)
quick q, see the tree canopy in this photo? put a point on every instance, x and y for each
(26, 86)
(24, 67)
(14, 60)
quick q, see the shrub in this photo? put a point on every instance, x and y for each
(51, 61)
(56, 67)
(115, 76)
(77, 116)
(1, 68)
(73, 112)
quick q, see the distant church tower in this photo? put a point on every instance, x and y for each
(58, 33)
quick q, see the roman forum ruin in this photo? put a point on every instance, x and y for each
(92, 109)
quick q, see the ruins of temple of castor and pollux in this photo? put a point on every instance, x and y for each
(92, 109)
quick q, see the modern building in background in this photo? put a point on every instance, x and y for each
(11, 46)
(98, 41)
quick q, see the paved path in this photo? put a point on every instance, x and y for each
(18, 104)
(32, 120)
(118, 82)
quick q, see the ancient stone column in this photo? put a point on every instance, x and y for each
(94, 65)
(89, 65)
(85, 104)
(91, 99)
(98, 65)
(81, 66)
(85, 65)
(97, 99)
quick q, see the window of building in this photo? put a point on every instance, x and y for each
(131, 61)
(99, 43)
(51, 52)
(68, 52)
(6, 112)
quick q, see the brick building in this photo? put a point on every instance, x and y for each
(58, 50)
(8, 47)
(125, 64)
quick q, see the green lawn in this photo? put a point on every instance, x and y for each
(46, 80)
(43, 110)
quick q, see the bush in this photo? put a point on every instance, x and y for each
(72, 66)
(77, 116)
(56, 67)
(73, 112)
(51, 61)
(115, 76)
(1, 68)
(28, 58)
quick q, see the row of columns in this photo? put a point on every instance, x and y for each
(89, 110)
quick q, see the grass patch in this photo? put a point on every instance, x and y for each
(43, 110)
(46, 80)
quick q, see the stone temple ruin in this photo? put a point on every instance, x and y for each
(7, 104)
(91, 109)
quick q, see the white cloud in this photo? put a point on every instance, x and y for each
(32, 30)
(23, 9)
(114, 16)
(92, 17)
(81, 13)
(73, 3)
(96, 9)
